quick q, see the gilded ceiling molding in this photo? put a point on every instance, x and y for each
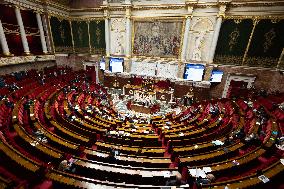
(159, 7)
(257, 4)
(83, 19)
(116, 8)
(24, 6)
(100, 9)
(59, 16)
(157, 18)
(276, 18)
(56, 5)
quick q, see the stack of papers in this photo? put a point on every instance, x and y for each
(207, 169)
(197, 173)
(263, 178)
(235, 162)
(217, 142)
(167, 174)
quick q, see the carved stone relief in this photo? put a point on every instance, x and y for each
(117, 36)
(200, 37)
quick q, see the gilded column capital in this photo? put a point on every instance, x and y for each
(188, 16)
(38, 12)
(222, 10)
(15, 6)
(128, 13)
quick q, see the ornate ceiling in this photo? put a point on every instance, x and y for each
(80, 3)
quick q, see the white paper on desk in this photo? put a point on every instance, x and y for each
(263, 178)
(207, 169)
(197, 172)
(181, 134)
(217, 142)
(167, 174)
(282, 161)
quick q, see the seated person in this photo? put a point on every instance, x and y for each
(176, 182)
(228, 140)
(280, 143)
(63, 166)
(208, 180)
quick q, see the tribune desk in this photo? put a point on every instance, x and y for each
(141, 108)
(139, 92)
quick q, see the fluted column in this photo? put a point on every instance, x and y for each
(3, 41)
(22, 31)
(42, 37)
(127, 60)
(181, 67)
(128, 33)
(280, 60)
(107, 37)
(217, 28)
(185, 38)
(215, 38)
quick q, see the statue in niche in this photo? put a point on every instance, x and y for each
(196, 54)
(118, 32)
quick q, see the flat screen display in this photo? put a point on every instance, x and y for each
(216, 76)
(194, 72)
(116, 64)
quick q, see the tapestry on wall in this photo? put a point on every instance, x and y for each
(61, 33)
(97, 35)
(161, 38)
(232, 42)
(80, 36)
(267, 44)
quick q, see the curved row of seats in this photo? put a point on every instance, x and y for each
(72, 124)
